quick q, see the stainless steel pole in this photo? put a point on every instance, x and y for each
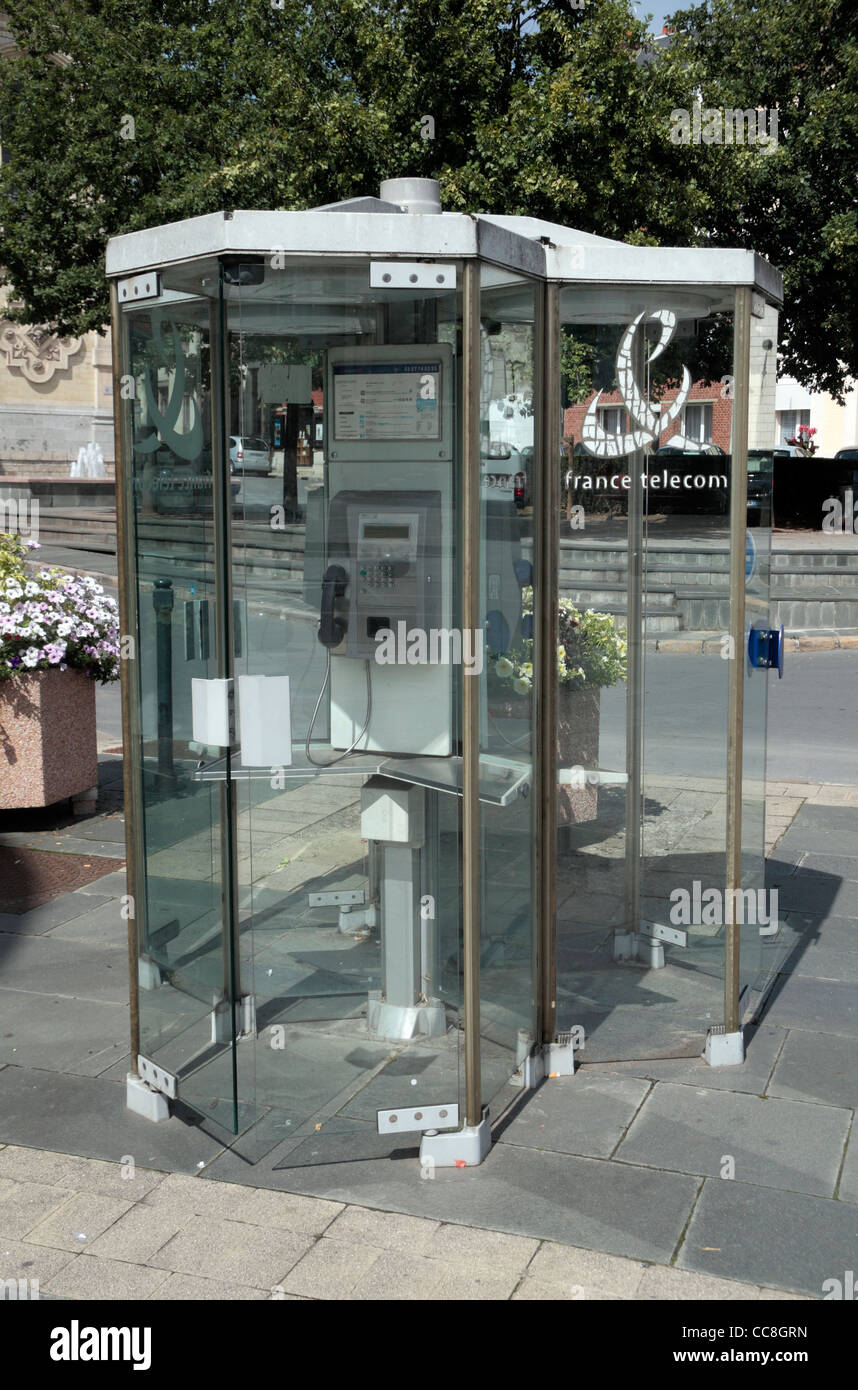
(132, 781)
(736, 696)
(470, 580)
(634, 678)
(546, 542)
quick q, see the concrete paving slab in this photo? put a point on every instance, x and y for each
(233, 1252)
(463, 1283)
(137, 1236)
(23, 1205)
(90, 1114)
(813, 1005)
(58, 1034)
(50, 915)
(822, 893)
(21, 1261)
(77, 1221)
(842, 862)
(78, 1174)
(384, 1229)
(580, 1272)
(494, 1250)
(535, 1291)
(332, 1269)
(785, 1239)
(579, 1114)
(63, 843)
(661, 1283)
(42, 965)
(89, 1276)
(110, 885)
(188, 1288)
(762, 1047)
(102, 924)
(777, 1143)
(307, 1216)
(820, 1067)
(618, 1208)
(848, 1189)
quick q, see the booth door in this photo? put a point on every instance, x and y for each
(347, 767)
(173, 517)
(644, 689)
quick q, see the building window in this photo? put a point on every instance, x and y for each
(613, 419)
(698, 422)
(788, 423)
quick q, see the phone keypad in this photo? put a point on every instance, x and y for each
(379, 576)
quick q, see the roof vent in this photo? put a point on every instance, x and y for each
(413, 195)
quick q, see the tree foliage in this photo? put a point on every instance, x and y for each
(541, 109)
(797, 203)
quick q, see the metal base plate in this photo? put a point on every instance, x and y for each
(463, 1148)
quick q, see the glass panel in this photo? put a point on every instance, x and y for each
(642, 715)
(186, 1024)
(508, 694)
(345, 574)
(763, 938)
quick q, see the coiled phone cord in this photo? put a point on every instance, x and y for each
(333, 761)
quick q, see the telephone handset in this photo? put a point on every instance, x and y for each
(334, 585)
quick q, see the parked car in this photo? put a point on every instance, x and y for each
(248, 454)
(850, 453)
(681, 445)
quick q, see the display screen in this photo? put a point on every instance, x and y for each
(387, 533)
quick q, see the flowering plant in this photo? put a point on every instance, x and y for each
(591, 651)
(803, 439)
(51, 620)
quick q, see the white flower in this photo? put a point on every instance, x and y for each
(522, 686)
(504, 667)
(31, 588)
(31, 656)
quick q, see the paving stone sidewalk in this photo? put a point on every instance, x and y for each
(84, 1229)
(609, 1184)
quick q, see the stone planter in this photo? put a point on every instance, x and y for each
(48, 745)
(577, 747)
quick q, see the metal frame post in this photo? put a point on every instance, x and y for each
(224, 646)
(635, 617)
(132, 781)
(546, 542)
(736, 695)
(470, 580)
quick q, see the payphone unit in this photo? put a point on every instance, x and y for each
(389, 544)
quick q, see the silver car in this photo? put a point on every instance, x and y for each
(248, 454)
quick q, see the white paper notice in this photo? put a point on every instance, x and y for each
(387, 400)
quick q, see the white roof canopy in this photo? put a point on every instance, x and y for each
(370, 226)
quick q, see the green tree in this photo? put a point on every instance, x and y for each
(543, 109)
(797, 201)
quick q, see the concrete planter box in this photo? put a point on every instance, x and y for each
(47, 740)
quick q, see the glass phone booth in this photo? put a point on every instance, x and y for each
(449, 668)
